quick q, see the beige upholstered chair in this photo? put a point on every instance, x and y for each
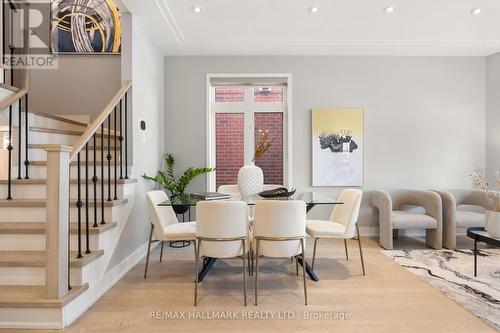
(222, 232)
(164, 224)
(279, 232)
(395, 212)
(342, 223)
(461, 209)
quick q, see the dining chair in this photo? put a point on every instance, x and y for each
(342, 223)
(222, 232)
(164, 224)
(280, 232)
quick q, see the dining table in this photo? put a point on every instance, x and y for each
(311, 199)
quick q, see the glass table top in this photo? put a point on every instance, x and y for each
(310, 198)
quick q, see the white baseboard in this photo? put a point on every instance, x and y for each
(76, 308)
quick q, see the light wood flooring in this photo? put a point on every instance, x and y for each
(387, 299)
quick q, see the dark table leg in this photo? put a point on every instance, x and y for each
(309, 271)
(207, 265)
(475, 257)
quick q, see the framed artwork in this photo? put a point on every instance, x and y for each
(337, 147)
(85, 26)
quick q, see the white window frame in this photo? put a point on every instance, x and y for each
(285, 107)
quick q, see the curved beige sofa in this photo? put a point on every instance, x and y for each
(455, 216)
(393, 215)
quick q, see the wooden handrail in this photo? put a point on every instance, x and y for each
(9, 100)
(94, 126)
(7, 87)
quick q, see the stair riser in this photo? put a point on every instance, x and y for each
(13, 242)
(36, 121)
(37, 214)
(36, 154)
(35, 276)
(40, 172)
(64, 139)
(40, 191)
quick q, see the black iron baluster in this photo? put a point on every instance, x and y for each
(116, 160)
(126, 138)
(121, 139)
(94, 180)
(102, 174)
(9, 148)
(109, 158)
(79, 206)
(87, 216)
(20, 136)
(26, 160)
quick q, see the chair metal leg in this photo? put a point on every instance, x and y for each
(244, 274)
(304, 269)
(360, 250)
(345, 246)
(149, 250)
(197, 252)
(314, 253)
(249, 260)
(256, 269)
(161, 251)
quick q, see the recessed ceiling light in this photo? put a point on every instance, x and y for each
(314, 9)
(197, 9)
(389, 10)
(477, 11)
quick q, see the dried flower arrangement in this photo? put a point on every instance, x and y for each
(263, 145)
(492, 197)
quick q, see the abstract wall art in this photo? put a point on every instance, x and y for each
(85, 26)
(337, 147)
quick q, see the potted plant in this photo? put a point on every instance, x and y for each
(175, 184)
(250, 176)
(492, 223)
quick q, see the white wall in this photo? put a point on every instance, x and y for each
(493, 117)
(424, 117)
(147, 73)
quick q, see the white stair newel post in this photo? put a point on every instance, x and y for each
(57, 211)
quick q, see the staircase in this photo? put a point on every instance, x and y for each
(100, 196)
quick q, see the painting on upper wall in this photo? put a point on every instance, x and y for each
(85, 26)
(337, 150)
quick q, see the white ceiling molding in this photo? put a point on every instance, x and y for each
(170, 20)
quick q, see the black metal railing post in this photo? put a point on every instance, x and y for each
(87, 215)
(121, 139)
(116, 159)
(9, 148)
(102, 174)
(126, 137)
(26, 159)
(109, 158)
(79, 206)
(20, 142)
(94, 181)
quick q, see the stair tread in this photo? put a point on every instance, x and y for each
(43, 202)
(39, 258)
(35, 228)
(42, 181)
(34, 297)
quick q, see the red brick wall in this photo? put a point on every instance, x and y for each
(275, 95)
(272, 161)
(229, 95)
(229, 147)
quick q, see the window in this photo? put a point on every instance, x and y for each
(238, 114)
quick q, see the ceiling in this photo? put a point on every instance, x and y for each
(340, 27)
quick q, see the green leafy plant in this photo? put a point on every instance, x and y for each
(175, 184)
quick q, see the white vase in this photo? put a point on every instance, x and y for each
(250, 180)
(492, 224)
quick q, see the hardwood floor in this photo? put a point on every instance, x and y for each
(388, 298)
